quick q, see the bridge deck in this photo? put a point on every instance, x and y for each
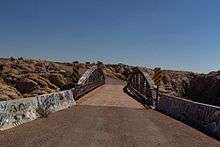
(106, 117)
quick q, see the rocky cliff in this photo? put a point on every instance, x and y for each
(26, 78)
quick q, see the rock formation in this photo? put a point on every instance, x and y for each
(26, 78)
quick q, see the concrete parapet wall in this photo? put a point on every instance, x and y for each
(56, 101)
(206, 117)
(16, 112)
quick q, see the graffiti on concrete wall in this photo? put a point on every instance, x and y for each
(47, 102)
(56, 101)
(3, 115)
(16, 112)
(66, 99)
(205, 116)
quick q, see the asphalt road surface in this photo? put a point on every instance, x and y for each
(106, 117)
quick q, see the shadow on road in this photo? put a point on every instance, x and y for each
(138, 99)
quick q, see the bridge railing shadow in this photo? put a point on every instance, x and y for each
(135, 97)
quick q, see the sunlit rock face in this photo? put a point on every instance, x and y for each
(26, 78)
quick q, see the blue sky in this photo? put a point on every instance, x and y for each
(172, 34)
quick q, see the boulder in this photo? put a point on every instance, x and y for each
(57, 79)
(25, 85)
(8, 92)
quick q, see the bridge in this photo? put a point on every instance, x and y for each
(110, 112)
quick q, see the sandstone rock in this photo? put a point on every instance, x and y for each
(57, 79)
(10, 78)
(25, 85)
(39, 91)
(33, 77)
(42, 82)
(51, 67)
(8, 92)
